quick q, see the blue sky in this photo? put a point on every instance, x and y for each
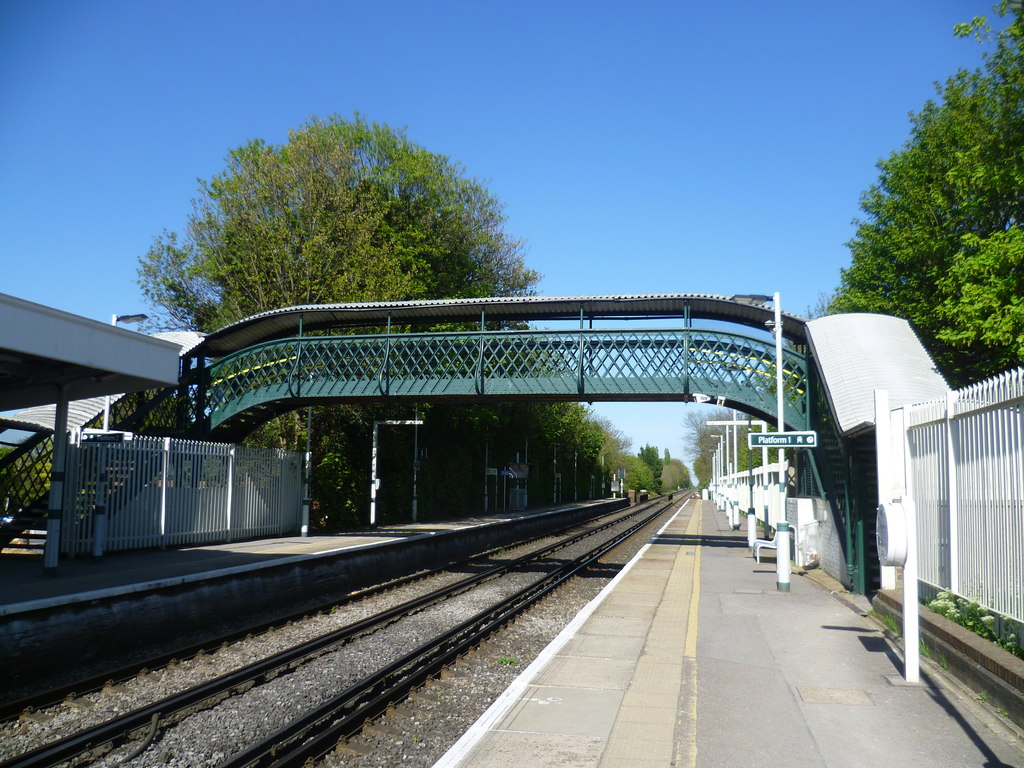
(638, 147)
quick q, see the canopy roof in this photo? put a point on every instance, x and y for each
(45, 353)
(859, 353)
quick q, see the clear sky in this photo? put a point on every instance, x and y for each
(639, 147)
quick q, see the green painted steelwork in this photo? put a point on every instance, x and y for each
(579, 365)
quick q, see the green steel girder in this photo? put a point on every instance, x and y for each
(581, 365)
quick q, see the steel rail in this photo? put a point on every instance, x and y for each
(317, 732)
(175, 707)
(54, 696)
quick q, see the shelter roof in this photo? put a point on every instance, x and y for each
(859, 353)
(43, 350)
(280, 323)
(40, 418)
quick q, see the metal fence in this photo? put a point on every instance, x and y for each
(965, 472)
(732, 493)
(157, 492)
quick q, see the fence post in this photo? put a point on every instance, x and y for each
(55, 505)
(231, 494)
(164, 480)
(952, 464)
(99, 531)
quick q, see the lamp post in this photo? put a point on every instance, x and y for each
(779, 400)
(114, 320)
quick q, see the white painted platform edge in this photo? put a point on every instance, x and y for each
(501, 705)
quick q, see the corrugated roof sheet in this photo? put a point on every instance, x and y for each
(40, 418)
(859, 353)
(284, 322)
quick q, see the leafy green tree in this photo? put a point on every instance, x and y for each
(650, 456)
(942, 242)
(344, 211)
(639, 475)
(675, 475)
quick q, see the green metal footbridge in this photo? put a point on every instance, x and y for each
(280, 360)
(655, 347)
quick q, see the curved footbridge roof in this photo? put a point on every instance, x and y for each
(281, 323)
(858, 353)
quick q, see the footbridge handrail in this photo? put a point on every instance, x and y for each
(663, 364)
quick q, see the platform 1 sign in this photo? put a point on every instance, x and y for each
(782, 439)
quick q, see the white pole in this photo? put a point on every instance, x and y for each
(307, 474)
(106, 398)
(231, 494)
(911, 608)
(735, 517)
(165, 472)
(780, 400)
(751, 514)
(953, 493)
(764, 476)
(55, 504)
(728, 483)
(782, 567)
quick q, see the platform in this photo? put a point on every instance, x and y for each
(692, 657)
(26, 587)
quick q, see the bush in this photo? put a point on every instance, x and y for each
(974, 617)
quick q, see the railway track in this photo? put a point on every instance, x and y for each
(51, 697)
(319, 727)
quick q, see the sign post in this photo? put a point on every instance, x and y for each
(782, 440)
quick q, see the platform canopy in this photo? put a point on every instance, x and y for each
(47, 355)
(859, 353)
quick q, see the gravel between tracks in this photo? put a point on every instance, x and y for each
(425, 726)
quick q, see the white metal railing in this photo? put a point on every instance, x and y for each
(732, 494)
(965, 472)
(157, 492)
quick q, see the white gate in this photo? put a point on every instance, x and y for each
(157, 492)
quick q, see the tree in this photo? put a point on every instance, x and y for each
(675, 475)
(345, 211)
(650, 456)
(704, 440)
(942, 242)
(638, 474)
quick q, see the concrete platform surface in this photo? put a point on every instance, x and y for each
(692, 657)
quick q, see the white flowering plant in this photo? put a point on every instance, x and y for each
(978, 619)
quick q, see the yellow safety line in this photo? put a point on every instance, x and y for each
(687, 748)
(690, 649)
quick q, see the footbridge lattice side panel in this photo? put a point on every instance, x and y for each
(587, 365)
